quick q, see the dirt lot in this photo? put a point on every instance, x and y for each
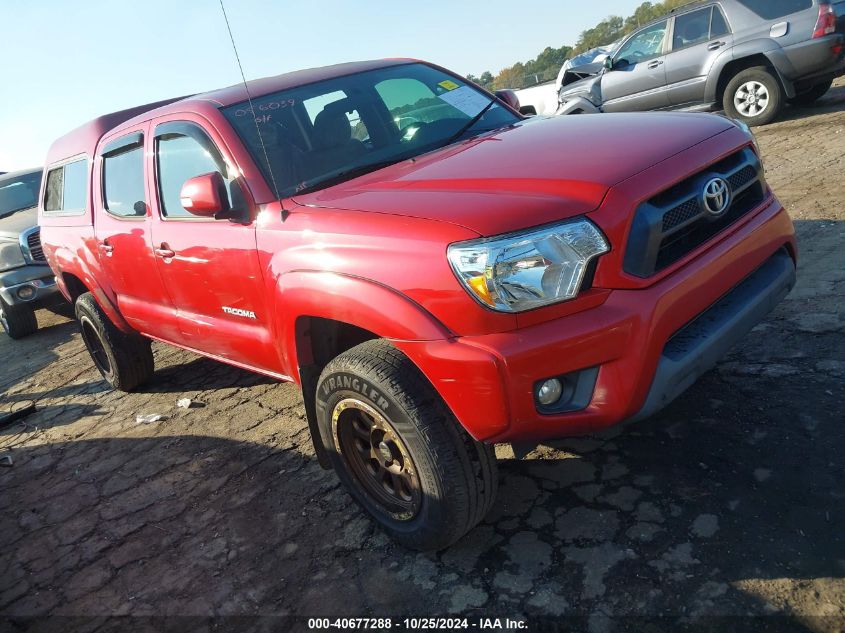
(730, 503)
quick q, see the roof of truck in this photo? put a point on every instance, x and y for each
(84, 139)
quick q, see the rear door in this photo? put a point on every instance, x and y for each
(122, 234)
(698, 38)
(210, 267)
(638, 78)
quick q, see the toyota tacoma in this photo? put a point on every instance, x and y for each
(426, 264)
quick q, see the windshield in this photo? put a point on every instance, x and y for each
(19, 193)
(329, 131)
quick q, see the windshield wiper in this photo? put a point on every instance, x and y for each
(472, 122)
(348, 174)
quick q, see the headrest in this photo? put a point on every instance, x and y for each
(694, 31)
(331, 129)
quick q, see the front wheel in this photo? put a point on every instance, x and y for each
(124, 360)
(399, 451)
(18, 320)
(754, 96)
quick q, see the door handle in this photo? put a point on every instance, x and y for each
(715, 46)
(105, 248)
(655, 64)
(165, 252)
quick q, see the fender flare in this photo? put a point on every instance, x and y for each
(766, 47)
(71, 265)
(357, 301)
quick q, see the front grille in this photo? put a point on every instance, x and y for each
(674, 222)
(33, 242)
(680, 214)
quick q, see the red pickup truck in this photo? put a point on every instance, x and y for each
(436, 272)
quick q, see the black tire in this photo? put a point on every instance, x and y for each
(456, 476)
(124, 360)
(809, 97)
(753, 113)
(17, 321)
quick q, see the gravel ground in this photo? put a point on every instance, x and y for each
(728, 504)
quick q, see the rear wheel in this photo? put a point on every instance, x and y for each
(754, 96)
(809, 97)
(17, 321)
(124, 360)
(399, 451)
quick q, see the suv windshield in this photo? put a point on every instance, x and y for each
(322, 133)
(18, 193)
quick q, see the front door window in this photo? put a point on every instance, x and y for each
(645, 45)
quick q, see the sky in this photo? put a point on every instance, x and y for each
(68, 61)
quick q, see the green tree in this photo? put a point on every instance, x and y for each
(546, 65)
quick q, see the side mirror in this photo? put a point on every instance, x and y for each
(509, 97)
(608, 62)
(204, 195)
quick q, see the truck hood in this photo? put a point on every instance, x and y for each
(13, 225)
(579, 73)
(535, 172)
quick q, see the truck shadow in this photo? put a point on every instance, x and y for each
(201, 373)
(672, 520)
(833, 101)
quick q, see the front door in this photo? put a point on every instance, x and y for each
(209, 266)
(638, 78)
(122, 234)
(698, 38)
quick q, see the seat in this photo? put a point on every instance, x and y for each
(333, 145)
(696, 31)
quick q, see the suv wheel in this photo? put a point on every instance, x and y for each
(809, 97)
(399, 451)
(17, 321)
(124, 360)
(754, 96)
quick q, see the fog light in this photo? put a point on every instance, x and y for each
(26, 293)
(549, 392)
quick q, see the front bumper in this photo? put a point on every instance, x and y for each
(41, 281)
(488, 381)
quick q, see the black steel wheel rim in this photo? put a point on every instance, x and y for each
(377, 459)
(95, 346)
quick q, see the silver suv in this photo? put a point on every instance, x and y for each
(748, 57)
(26, 281)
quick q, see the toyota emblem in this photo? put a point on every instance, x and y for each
(717, 196)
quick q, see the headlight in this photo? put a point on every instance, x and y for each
(523, 271)
(11, 255)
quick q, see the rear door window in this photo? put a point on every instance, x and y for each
(718, 26)
(774, 9)
(67, 187)
(692, 28)
(123, 181)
